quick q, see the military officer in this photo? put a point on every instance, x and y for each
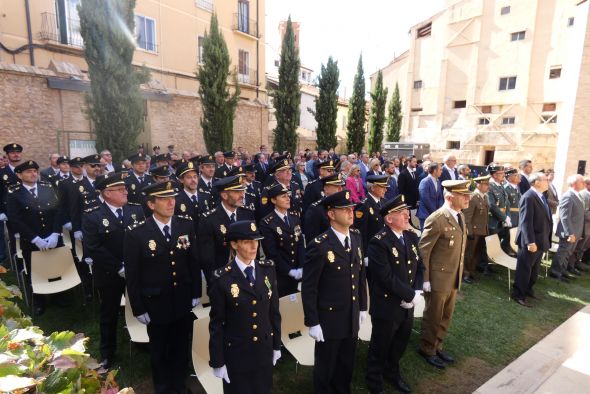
(367, 217)
(442, 248)
(228, 163)
(314, 189)
(394, 262)
(213, 225)
(245, 314)
(33, 212)
(188, 201)
(476, 220)
(283, 240)
(513, 193)
(103, 227)
(281, 170)
(163, 283)
(86, 195)
(316, 220)
(138, 179)
(334, 294)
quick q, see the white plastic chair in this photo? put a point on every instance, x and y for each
(200, 357)
(137, 331)
(498, 256)
(301, 347)
(202, 310)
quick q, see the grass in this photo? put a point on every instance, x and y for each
(487, 333)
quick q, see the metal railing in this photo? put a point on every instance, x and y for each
(65, 32)
(247, 76)
(245, 25)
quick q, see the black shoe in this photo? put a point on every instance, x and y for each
(446, 357)
(580, 268)
(532, 294)
(568, 276)
(402, 386)
(575, 271)
(522, 302)
(468, 279)
(433, 360)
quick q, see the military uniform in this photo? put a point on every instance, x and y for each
(498, 200)
(476, 220)
(513, 200)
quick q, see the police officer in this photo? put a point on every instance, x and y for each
(103, 227)
(334, 296)
(138, 179)
(281, 170)
(163, 283)
(245, 314)
(253, 187)
(214, 251)
(223, 170)
(394, 262)
(205, 187)
(251, 200)
(188, 201)
(283, 240)
(513, 193)
(63, 163)
(33, 212)
(8, 178)
(316, 220)
(86, 195)
(367, 215)
(161, 174)
(313, 190)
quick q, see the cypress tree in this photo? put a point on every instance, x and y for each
(377, 119)
(356, 112)
(115, 104)
(326, 105)
(219, 105)
(287, 97)
(394, 116)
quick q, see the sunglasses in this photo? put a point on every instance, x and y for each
(94, 165)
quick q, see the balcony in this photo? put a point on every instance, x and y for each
(247, 76)
(67, 33)
(244, 25)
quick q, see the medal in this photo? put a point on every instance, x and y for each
(235, 290)
(331, 257)
(267, 283)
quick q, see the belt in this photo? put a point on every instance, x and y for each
(513, 209)
(502, 209)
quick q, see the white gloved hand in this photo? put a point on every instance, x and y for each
(406, 305)
(68, 226)
(52, 240)
(426, 287)
(78, 235)
(3, 217)
(299, 273)
(276, 354)
(121, 272)
(508, 222)
(41, 244)
(316, 333)
(88, 260)
(16, 236)
(366, 261)
(195, 302)
(221, 373)
(293, 273)
(417, 297)
(362, 317)
(144, 319)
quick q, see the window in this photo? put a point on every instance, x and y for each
(200, 44)
(549, 119)
(243, 16)
(483, 121)
(518, 36)
(70, 33)
(207, 5)
(507, 83)
(145, 31)
(418, 84)
(555, 72)
(549, 107)
(505, 10)
(424, 31)
(453, 144)
(459, 104)
(508, 120)
(570, 21)
(417, 109)
(243, 62)
(486, 109)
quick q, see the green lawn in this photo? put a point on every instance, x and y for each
(488, 332)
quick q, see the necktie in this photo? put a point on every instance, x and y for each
(33, 192)
(544, 203)
(120, 214)
(194, 198)
(346, 244)
(401, 239)
(412, 173)
(460, 221)
(209, 184)
(286, 218)
(250, 274)
(141, 180)
(232, 217)
(166, 229)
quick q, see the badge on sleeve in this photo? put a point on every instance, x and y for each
(182, 208)
(133, 186)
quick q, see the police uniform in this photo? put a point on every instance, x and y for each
(315, 189)
(367, 216)
(187, 204)
(85, 197)
(334, 294)
(207, 192)
(394, 265)
(295, 193)
(245, 326)
(476, 220)
(316, 219)
(223, 170)
(163, 276)
(283, 243)
(8, 180)
(104, 233)
(134, 184)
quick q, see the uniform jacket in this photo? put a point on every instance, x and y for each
(185, 206)
(266, 206)
(498, 200)
(84, 197)
(313, 192)
(476, 215)
(207, 194)
(252, 196)
(48, 175)
(368, 219)
(431, 199)
(512, 203)
(66, 196)
(334, 288)
(222, 171)
(535, 222)
(571, 215)
(8, 180)
(134, 187)
(442, 247)
(315, 221)
(245, 325)
(162, 278)
(408, 186)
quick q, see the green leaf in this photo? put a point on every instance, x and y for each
(7, 369)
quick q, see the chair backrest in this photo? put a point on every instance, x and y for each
(513, 233)
(205, 297)
(53, 271)
(291, 309)
(493, 246)
(137, 331)
(200, 346)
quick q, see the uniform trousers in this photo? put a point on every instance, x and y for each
(389, 339)
(333, 366)
(169, 344)
(473, 253)
(438, 313)
(258, 381)
(527, 271)
(110, 304)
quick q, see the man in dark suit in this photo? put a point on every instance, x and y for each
(313, 190)
(526, 169)
(394, 262)
(48, 174)
(431, 193)
(109, 166)
(164, 283)
(104, 231)
(262, 167)
(408, 183)
(552, 195)
(137, 179)
(449, 169)
(316, 219)
(334, 293)
(533, 238)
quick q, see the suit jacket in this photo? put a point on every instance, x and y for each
(586, 196)
(334, 288)
(476, 215)
(524, 184)
(162, 278)
(356, 189)
(431, 199)
(446, 174)
(392, 189)
(261, 172)
(571, 215)
(552, 198)
(442, 247)
(408, 186)
(535, 222)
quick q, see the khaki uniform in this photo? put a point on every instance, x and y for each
(442, 248)
(476, 219)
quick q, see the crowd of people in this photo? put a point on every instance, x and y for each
(342, 229)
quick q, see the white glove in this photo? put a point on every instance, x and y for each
(68, 226)
(406, 305)
(88, 260)
(78, 235)
(417, 297)
(3, 217)
(144, 319)
(276, 354)
(16, 236)
(121, 272)
(221, 373)
(508, 222)
(293, 273)
(40, 243)
(195, 302)
(426, 287)
(299, 273)
(52, 240)
(366, 261)
(316, 333)
(362, 317)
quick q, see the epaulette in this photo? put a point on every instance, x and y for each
(316, 203)
(135, 225)
(208, 213)
(134, 203)
(219, 272)
(266, 263)
(249, 208)
(14, 188)
(354, 230)
(381, 234)
(43, 183)
(185, 217)
(268, 218)
(94, 208)
(321, 238)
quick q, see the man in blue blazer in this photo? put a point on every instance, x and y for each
(431, 193)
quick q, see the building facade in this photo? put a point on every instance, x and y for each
(484, 79)
(41, 48)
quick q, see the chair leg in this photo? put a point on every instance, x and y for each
(24, 290)
(508, 284)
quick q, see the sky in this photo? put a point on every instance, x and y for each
(344, 29)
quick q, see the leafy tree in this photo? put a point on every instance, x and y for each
(115, 104)
(377, 118)
(326, 105)
(219, 105)
(287, 96)
(356, 112)
(394, 116)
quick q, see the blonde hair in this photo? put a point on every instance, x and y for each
(353, 168)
